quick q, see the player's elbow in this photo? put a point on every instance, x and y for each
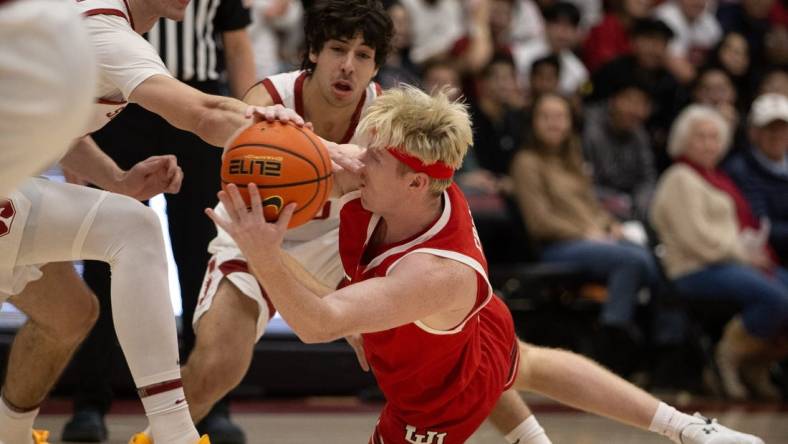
(326, 329)
(314, 336)
(311, 337)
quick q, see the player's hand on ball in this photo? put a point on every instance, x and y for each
(152, 176)
(344, 157)
(247, 226)
(274, 113)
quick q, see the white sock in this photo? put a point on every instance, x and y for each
(16, 427)
(669, 422)
(528, 432)
(169, 418)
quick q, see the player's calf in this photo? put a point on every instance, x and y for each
(226, 335)
(61, 311)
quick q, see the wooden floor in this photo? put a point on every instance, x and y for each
(335, 422)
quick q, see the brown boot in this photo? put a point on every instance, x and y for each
(736, 347)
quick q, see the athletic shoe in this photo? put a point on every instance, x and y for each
(220, 428)
(143, 438)
(40, 436)
(85, 426)
(709, 431)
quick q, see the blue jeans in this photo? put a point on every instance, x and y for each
(762, 298)
(625, 267)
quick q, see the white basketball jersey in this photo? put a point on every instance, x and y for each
(286, 89)
(125, 58)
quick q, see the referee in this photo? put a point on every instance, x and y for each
(211, 51)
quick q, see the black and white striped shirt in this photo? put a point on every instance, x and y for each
(191, 49)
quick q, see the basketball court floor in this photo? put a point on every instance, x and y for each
(346, 421)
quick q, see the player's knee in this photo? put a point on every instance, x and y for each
(139, 225)
(81, 316)
(524, 378)
(141, 217)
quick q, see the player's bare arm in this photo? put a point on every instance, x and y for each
(152, 176)
(213, 118)
(436, 291)
(239, 58)
(258, 96)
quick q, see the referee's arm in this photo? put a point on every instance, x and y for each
(239, 60)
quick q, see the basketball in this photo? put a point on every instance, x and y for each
(287, 163)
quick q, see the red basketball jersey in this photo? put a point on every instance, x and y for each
(440, 385)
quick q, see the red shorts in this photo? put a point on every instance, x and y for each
(457, 421)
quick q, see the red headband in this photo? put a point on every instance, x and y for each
(437, 170)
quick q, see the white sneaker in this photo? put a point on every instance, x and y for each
(709, 431)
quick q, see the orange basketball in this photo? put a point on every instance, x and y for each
(288, 163)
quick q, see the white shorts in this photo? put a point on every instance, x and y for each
(43, 221)
(319, 256)
(47, 85)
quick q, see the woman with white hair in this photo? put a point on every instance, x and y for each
(716, 250)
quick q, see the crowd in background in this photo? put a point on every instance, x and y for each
(642, 141)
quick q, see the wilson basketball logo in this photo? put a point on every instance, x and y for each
(7, 212)
(430, 438)
(257, 165)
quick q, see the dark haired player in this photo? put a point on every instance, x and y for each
(347, 42)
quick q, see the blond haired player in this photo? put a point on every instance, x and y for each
(441, 344)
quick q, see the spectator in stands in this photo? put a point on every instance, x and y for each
(749, 18)
(501, 22)
(272, 22)
(527, 21)
(435, 26)
(697, 32)
(732, 56)
(648, 65)
(438, 74)
(561, 36)
(713, 87)
(775, 81)
(498, 115)
(557, 202)
(544, 76)
(498, 118)
(776, 47)
(460, 29)
(398, 67)
(716, 250)
(618, 149)
(761, 170)
(611, 38)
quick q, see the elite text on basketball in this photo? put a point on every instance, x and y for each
(261, 166)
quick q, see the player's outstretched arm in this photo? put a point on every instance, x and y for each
(423, 287)
(152, 176)
(213, 118)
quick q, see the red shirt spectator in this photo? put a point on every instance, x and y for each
(606, 41)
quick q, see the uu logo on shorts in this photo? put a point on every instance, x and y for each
(7, 212)
(430, 438)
